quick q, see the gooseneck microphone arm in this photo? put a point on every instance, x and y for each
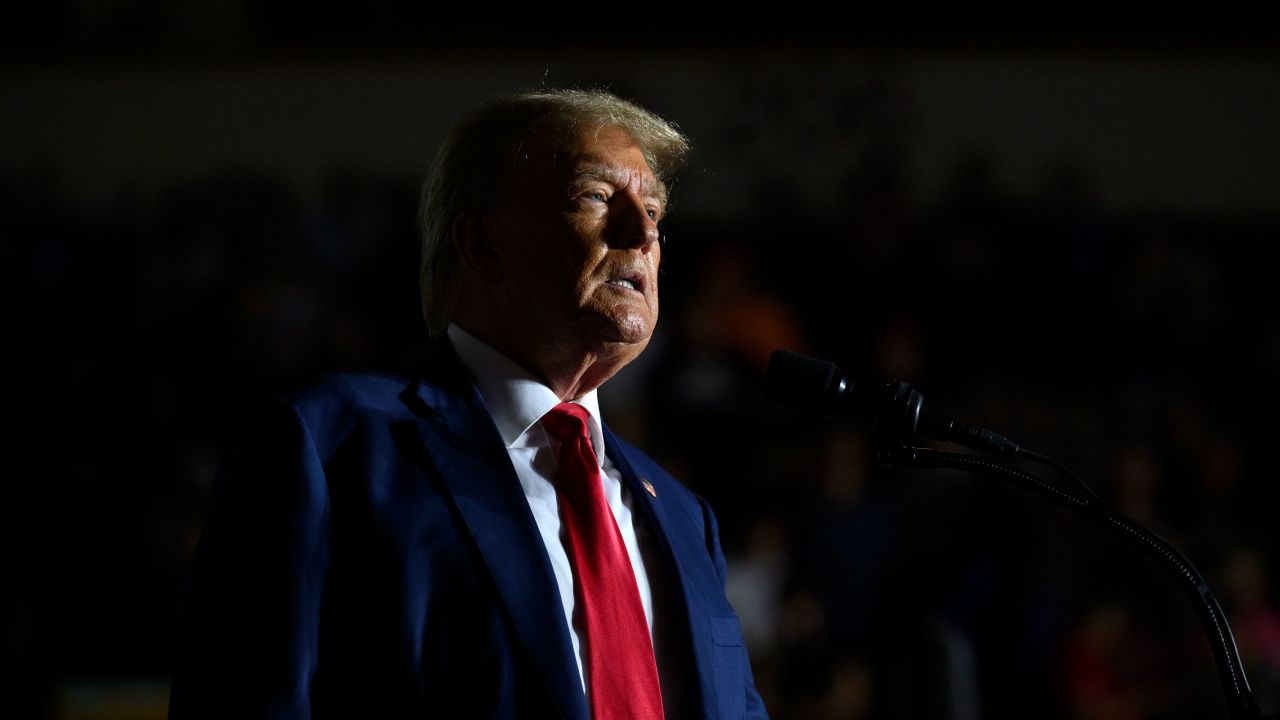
(1231, 675)
(899, 420)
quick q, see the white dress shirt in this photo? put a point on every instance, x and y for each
(517, 401)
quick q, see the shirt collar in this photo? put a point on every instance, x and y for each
(516, 399)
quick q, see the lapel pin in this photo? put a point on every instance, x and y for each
(649, 486)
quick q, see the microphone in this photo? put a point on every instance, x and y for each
(896, 409)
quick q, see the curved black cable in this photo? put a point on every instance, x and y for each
(984, 440)
(1051, 463)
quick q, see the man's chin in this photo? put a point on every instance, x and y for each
(630, 334)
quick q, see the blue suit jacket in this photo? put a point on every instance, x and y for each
(370, 553)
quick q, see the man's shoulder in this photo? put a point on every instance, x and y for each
(437, 370)
(351, 393)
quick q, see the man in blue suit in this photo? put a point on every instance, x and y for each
(383, 546)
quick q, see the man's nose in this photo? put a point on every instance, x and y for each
(633, 227)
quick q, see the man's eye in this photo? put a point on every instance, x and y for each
(597, 195)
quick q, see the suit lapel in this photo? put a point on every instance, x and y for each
(476, 471)
(673, 529)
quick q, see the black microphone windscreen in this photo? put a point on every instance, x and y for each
(801, 381)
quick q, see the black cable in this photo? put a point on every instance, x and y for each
(1050, 462)
(982, 439)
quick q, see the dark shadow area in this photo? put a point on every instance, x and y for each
(1135, 344)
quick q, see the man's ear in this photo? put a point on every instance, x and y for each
(478, 246)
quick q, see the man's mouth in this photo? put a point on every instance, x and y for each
(630, 281)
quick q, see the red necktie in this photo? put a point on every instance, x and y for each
(622, 677)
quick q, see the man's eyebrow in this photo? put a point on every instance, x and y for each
(601, 172)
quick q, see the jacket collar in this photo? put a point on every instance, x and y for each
(470, 460)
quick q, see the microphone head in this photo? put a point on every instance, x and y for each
(819, 386)
(803, 382)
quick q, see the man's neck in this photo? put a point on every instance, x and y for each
(569, 372)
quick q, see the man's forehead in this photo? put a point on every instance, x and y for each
(608, 153)
(592, 166)
(612, 155)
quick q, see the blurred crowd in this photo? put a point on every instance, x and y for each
(1136, 349)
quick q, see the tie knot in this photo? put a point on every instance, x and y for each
(566, 421)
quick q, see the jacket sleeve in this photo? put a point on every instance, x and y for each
(248, 626)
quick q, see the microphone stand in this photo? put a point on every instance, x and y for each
(897, 411)
(1231, 674)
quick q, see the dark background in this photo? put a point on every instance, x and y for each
(1064, 236)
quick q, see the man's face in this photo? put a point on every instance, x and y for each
(577, 240)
